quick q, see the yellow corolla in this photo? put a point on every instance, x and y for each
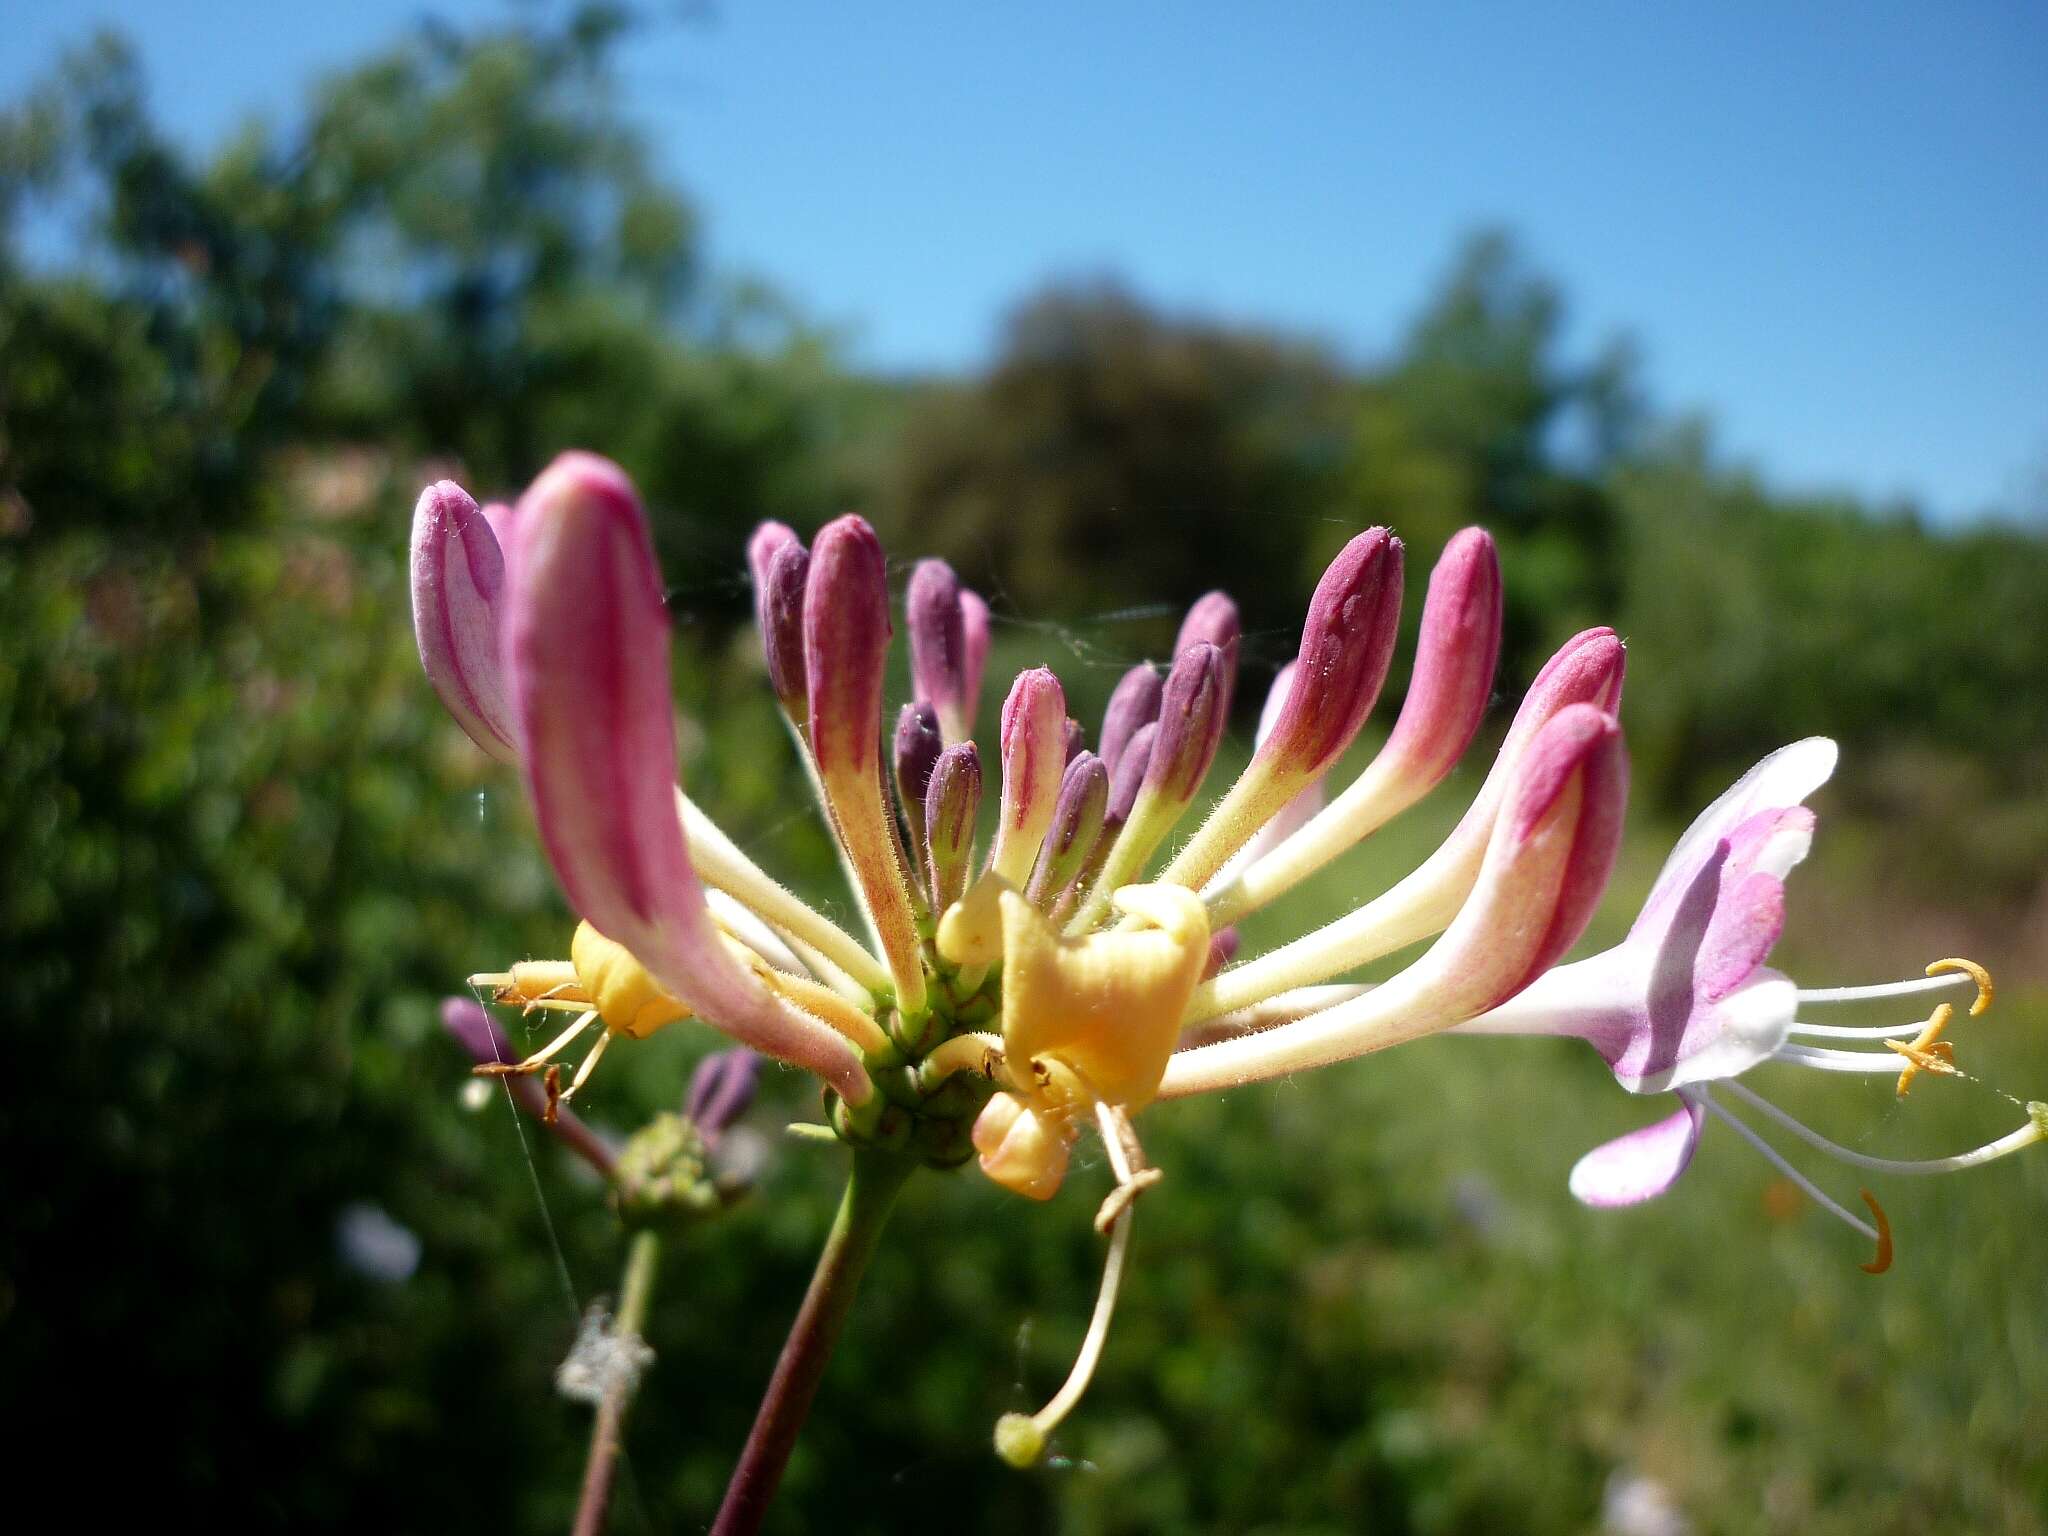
(1086, 1021)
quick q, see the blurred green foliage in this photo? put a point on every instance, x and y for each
(245, 855)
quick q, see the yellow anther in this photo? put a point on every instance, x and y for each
(1883, 1260)
(1976, 973)
(1926, 1051)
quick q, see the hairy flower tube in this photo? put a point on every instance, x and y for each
(1063, 971)
(1686, 1005)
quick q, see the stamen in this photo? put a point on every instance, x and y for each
(1883, 1260)
(1836, 1061)
(1928, 1052)
(1970, 968)
(1879, 990)
(544, 1055)
(1020, 1438)
(589, 1065)
(1856, 1031)
(1777, 1160)
(1990, 1152)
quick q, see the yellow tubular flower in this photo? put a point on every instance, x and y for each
(619, 988)
(1086, 1021)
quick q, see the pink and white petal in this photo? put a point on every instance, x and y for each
(1783, 779)
(1641, 1165)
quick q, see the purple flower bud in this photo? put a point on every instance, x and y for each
(458, 577)
(1034, 737)
(721, 1089)
(1077, 739)
(1455, 656)
(1133, 705)
(846, 650)
(1224, 944)
(1131, 768)
(917, 748)
(1076, 824)
(952, 802)
(938, 640)
(1190, 724)
(1347, 643)
(1214, 618)
(781, 568)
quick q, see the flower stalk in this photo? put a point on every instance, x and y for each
(872, 1185)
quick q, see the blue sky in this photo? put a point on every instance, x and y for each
(1826, 224)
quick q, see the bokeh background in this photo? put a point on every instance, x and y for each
(1107, 310)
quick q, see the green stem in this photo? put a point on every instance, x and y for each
(872, 1185)
(635, 1290)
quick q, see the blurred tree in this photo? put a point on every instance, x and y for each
(1110, 438)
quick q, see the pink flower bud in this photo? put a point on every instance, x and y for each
(846, 646)
(458, 575)
(1455, 656)
(781, 568)
(1191, 724)
(1213, 618)
(1549, 854)
(1133, 705)
(1076, 824)
(1347, 643)
(974, 622)
(1571, 787)
(1034, 735)
(586, 653)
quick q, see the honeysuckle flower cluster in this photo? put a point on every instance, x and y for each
(999, 1005)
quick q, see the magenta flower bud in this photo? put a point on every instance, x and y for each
(721, 1090)
(1455, 656)
(1571, 783)
(952, 802)
(1213, 618)
(846, 645)
(1034, 739)
(846, 650)
(586, 651)
(1133, 704)
(1190, 724)
(458, 577)
(781, 567)
(1131, 768)
(471, 1026)
(1076, 824)
(1347, 643)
